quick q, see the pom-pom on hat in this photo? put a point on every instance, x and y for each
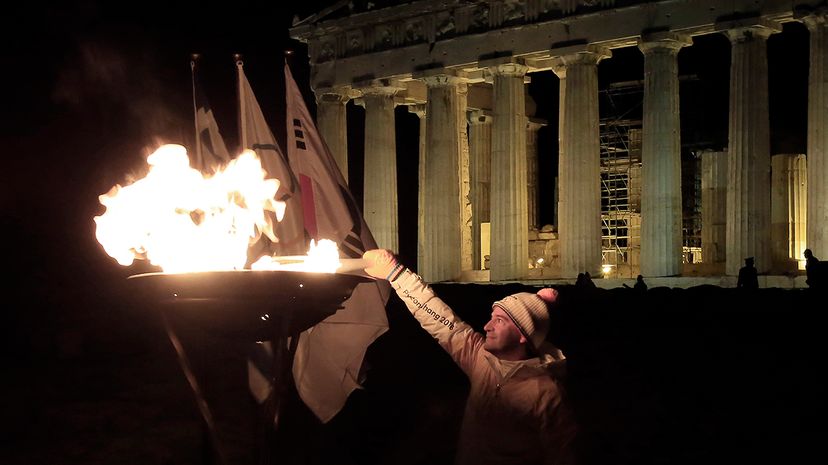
(530, 314)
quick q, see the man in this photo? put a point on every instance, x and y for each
(748, 278)
(515, 413)
(640, 285)
(812, 269)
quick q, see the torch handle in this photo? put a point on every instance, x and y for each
(352, 264)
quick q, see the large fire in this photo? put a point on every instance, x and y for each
(184, 221)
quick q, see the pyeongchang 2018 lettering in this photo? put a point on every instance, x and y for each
(422, 306)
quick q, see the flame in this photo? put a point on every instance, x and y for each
(322, 258)
(182, 220)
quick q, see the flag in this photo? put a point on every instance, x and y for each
(210, 151)
(256, 136)
(328, 360)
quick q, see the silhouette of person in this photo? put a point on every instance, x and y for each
(584, 280)
(748, 278)
(640, 285)
(812, 269)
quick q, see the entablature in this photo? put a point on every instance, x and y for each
(457, 36)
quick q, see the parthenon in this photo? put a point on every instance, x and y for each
(462, 66)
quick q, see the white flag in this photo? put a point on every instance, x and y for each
(210, 151)
(329, 355)
(256, 135)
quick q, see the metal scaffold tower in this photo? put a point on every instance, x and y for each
(620, 135)
(691, 207)
(620, 132)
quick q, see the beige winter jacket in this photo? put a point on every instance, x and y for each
(514, 412)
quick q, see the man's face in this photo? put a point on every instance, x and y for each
(502, 336)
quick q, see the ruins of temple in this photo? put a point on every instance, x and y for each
(463, 68)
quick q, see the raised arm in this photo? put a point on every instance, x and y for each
(453, 334)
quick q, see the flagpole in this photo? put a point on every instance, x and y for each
(242, 109)
(198, 150)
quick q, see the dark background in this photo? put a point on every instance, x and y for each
(93, 87)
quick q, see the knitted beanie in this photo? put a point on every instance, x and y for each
(529, 313)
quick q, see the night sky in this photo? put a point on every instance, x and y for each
(92, 87)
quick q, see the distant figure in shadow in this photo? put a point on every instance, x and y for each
(748, 278)
(640, 285)
(584, 280)
(814, 270)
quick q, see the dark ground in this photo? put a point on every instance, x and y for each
(703, 375)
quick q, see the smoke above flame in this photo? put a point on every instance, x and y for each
(182, 220)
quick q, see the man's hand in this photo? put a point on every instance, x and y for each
(383, 263)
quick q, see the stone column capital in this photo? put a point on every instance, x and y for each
(418, 109)
(559, 68)
(378, 91)
(813, 18)
(582, 55)
(508, 70)
(479, 117)
(740, 31)
(333, 94)
(442, 80)
(663, 42)
(381, 91)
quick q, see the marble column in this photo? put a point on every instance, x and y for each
(480, 148)
(532, 175)
(714, 206)
(442, 209)
(748, 195)
(465, 179)
(789, 207)
(380, 179)
(332, 122)
(634, 188)
(560, 71)
(510, 235)
(817, 145)
(661, 244)
(419, 110)
(579, 166)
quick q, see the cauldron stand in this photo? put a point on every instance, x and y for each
(254, 306)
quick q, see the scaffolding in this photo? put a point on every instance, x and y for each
(691, 208)
(620, 141)
(620, 136)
